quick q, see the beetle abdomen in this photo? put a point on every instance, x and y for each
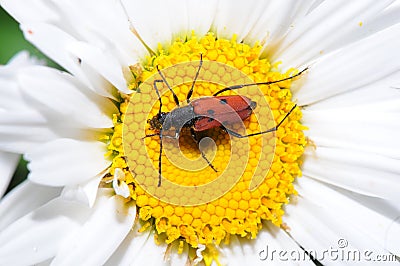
(220, 110)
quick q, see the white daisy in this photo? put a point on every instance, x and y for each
(15, 140)
(72, 137)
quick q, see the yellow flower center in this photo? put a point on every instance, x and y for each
(252, 177)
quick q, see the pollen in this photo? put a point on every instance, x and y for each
(253, 177)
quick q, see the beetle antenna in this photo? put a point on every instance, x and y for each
(235, 87)
(286, 116)
(158, 92)
(169, 87)
(194, 80)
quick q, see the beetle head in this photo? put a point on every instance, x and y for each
(157, 121)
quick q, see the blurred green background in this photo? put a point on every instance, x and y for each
(12, 41)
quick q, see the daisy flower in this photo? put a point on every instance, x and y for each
(11, 107)
(104, 189)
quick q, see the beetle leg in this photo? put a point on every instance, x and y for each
(159, 156)
(194, 80)
(160, 134)
(237, 135)
(159, 159)
(235, 87)
(176, 136)
(194, 136)
(151, 135)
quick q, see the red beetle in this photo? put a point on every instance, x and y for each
(206, 113)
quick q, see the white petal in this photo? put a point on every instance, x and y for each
(9, 90)
(255, 20)
(373, 95)
(176, 259)
(100, 24)
(103, 63)
(57, 48)
(62, 49)
(366, 173)
(392, 241)
(22, 130)
(151, 20)
(237, 17)
(44, 263)
(84, 193)
(121, 189)
(169, 19)
(63, 98)
(23, 199)
(91, 188)
(12, 99)
(234, 249)
(119, 185)
(272, 246)
(21, 126)
(200, 16)
(134, 243)
(37, 236)
(360, 128)
(142, 245)
(110, 222)
(330, 26)
(33, 11)
(66, 162)
(177, 17)
(103, 24)
(322, 219)
(350, 68)
(274, 18)
(276, 239)
(273, 238)
(8, 164)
